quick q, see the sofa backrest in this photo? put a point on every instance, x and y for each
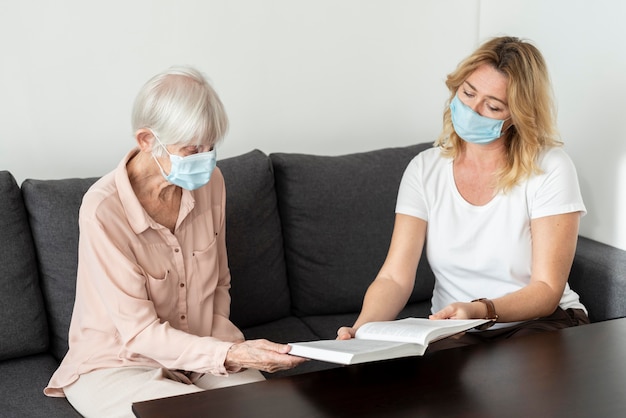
(253, 237)
(23, 327)
(259, 288)
(53, 207)
(337, 217)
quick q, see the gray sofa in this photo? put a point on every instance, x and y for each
(306, 235)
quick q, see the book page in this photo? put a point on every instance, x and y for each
(415, 330)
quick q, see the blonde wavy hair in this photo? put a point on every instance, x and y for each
(530, 100)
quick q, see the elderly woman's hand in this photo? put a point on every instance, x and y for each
(262, 355)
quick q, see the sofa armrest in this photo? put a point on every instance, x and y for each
(598, 275)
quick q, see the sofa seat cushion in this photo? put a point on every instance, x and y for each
(22, 381)
(23, 326)
(286, 330)
(259, 288)
(326, 326)
(338, 214)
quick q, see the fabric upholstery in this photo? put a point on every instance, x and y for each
(25, 379)
(23, 328)
(306, 235)
(598, 275)
(286, 330)
(338, 214)
(53, 207)
(259, 288)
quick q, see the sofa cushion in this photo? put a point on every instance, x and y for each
(259, 291)
(598, 275)
(23, 326)
(286, 330)
(326, 326)
(24, 380)
(53, 207)
(337, 216)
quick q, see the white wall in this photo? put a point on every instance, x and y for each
(584, 43)
(316, 76)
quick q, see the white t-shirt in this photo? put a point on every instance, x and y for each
(485, 251)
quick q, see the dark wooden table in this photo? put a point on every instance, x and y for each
(576, 372)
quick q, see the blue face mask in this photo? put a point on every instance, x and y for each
(190, 172)
(473, 127)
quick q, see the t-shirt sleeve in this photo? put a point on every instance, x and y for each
(411, 198)
(556, 190)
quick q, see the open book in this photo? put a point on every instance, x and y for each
(384, 340)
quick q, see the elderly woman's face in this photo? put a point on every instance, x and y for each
(185, 150)
(182, 150)
(485, 92)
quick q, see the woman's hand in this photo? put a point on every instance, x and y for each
(345, 333)
(261, 355)
(461, 310)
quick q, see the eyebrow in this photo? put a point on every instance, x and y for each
(491, 97)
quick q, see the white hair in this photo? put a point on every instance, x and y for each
(180, 107)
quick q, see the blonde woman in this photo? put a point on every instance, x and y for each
(496, 202)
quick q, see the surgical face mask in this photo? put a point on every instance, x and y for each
(473, 127)
(190, 172)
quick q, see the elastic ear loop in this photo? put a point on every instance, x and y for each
(155, 158)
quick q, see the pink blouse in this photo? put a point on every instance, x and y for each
(146, 296)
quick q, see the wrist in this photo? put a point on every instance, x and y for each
(230, 364)
(480, 309)
(490, 312)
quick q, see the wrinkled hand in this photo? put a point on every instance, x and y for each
(262, 355)
(345, 333)
(458, 310)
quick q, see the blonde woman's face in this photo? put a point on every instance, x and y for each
(485, 92)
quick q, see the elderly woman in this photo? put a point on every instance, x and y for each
(151, 317)
(496, 202)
